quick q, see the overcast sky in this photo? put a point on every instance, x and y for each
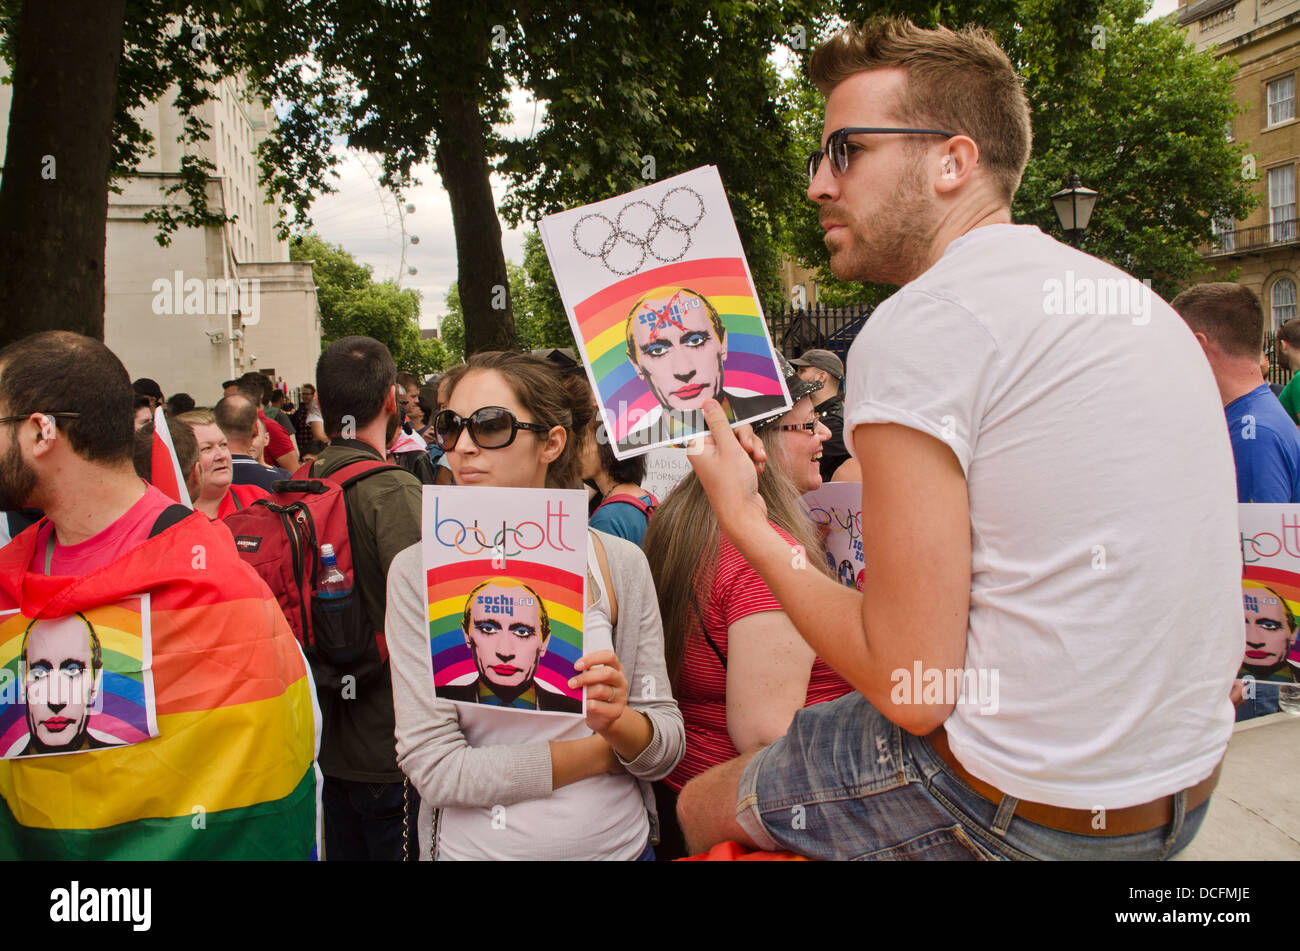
(364, 219)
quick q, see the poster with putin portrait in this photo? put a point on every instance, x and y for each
(1270, 600)
(77, 682)
(836, 511)
(663, 308)
(505, 573)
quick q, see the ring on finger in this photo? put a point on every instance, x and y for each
(613, 694)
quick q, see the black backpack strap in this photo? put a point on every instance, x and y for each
(348, 475)
(170, 516)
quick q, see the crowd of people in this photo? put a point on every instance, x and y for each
(1047, 499)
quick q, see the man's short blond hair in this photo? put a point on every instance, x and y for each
(957, 80)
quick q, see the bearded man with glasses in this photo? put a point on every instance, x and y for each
(1046, 477)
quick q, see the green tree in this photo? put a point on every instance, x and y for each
(540, 320)
(541, 316)
(352, 303)
(81, 71)
(1129, 105)
(453, 327)
(411, 81)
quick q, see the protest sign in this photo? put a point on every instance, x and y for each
(836, 510)
(79, 682)
(505, 571)
(663, 309)
(664, 468)
(1270, 596)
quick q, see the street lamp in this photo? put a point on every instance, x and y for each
(1074, 205)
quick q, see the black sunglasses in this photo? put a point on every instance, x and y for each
(809, 427)
(837, 145)
(15, 419)
(492, 427)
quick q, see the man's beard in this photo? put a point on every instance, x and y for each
(17, 480)
(894, 245)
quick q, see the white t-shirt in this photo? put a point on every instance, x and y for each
(1105, 563)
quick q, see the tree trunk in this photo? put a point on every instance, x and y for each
(481, 264)
(54, 196)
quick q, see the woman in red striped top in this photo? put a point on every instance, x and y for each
(740, 670)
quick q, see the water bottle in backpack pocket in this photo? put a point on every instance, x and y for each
(339, 628)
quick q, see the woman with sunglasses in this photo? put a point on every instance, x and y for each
(497, 784)
(738, 667)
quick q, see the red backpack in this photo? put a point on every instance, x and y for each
(281, 536)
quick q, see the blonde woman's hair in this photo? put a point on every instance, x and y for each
(681, 545)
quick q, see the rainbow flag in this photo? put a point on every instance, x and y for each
(560, 590)
(230, 773)
(602, 319)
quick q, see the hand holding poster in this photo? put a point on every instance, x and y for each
(663, 308)
(83, 681)
(836, 510)
(505, 594)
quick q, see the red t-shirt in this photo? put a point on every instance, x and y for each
(737, 592)
(131, 529)
(281, 443)
(246, 494)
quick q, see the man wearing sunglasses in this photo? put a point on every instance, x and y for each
(1049, 467)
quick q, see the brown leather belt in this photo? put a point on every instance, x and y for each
(1131, 819)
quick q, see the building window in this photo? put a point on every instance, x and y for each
(1223, 230)
(1281, 203)
(1283, 301)
(1281, 100)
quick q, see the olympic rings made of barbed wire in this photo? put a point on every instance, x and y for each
(639, 230)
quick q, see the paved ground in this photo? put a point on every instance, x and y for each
(1255, 811)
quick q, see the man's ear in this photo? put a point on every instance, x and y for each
(47, 434)
(194, 481)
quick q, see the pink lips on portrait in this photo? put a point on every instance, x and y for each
(689, 392)
(56, 724)
(1258, 655)
(506, 670)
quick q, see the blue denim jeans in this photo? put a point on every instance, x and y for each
(846, 783)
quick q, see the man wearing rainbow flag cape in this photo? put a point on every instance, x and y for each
(198, 696)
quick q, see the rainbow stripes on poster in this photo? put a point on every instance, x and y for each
(122, 711)
(560, 591)
(505, 587)
(602, 321)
